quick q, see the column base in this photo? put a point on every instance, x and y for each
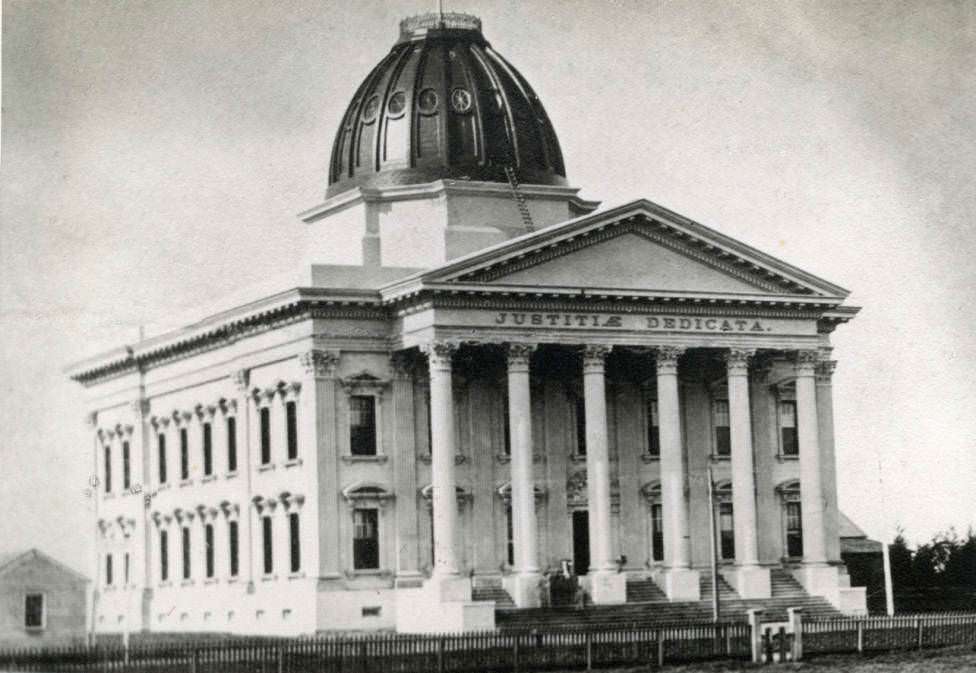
(749, 581)
(681, 584)
(831, 582)
(606, 587)
(443, 605)
(524, 588)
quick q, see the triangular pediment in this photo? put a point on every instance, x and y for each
(638, 249)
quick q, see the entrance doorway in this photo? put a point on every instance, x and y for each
(581, 541)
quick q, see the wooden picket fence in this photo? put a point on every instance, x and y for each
(874, 634)
(392, 653)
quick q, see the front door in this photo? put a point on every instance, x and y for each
(581, 541)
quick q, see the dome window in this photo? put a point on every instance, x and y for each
(427, 101)
(461, 100)
(370, 109)
(398, 102)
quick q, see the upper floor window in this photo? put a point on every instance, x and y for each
(161, 444)
(233, 543)
(34, 611)
(207, 449)
(126, 471)
(163, 555)
(265, 435)
(291, 429)
(186, 553)
(108, 570)
(208, 537)
(787, 428)
(653, 430)
(580, 410)
(294, 535)
(184, 455)
(231, 444)
(720, 422)
(108, 468)
(267, 543)
(362, 425)
(366, 541)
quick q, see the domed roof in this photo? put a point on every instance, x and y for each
(443, 104)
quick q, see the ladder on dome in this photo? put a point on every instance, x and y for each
(523, 208)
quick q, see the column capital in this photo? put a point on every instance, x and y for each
(439, 353)
(594, 357)
(666, 358)
(402, 366)
(824, 371)
(91, 419)
(140, 408)
(519, 355)
(805, 361)
(737, 360)
(320, 364)
(240, 377)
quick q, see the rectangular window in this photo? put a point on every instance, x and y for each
(163, 556)
(265, 435)
(506, 423)
(653, 430)
(125, 465)
(108, 468)
(161, 440)
(657, 532)
(366, 540)
(509, 536)
(184, 455)
(232, 541)
(726, 531)
(186, 553)
(232, 444)
(34, 611)
(580, 426)
(794, 530)
(207, 449)
(208, 536)
(723, 437)
(291, 430)
(268, 544)
(787, 425)
(295, 542)
(108, 570)
(125, 569)
(362, 425)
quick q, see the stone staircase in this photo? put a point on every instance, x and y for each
(493, 592)
(647, 606)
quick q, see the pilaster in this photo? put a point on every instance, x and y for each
(405, 471)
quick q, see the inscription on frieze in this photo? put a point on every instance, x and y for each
(630, 322)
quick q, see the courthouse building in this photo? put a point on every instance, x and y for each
(476, 379)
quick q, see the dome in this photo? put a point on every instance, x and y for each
(443, 105)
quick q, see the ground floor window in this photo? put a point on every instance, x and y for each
(726, 532)
(163, 555)
(232, 541)
(208, 533)
(186, 553)
(794, 530)
(268, 544)
(509, 537)
(34, 611)
(108, 569)
(657, 532)
(295, 540)
(366, 541)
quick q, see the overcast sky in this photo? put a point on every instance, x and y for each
(155, 153)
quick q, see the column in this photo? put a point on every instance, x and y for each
(245, 465)
(405, 472)
(524, 523)
(679, 580)
(605, 583)
(442, 451)
(317, 437)
(825, 411)
(749, 579)
(811, 481)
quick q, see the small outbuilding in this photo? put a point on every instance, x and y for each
(42, 601)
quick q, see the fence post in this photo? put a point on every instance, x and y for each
(660, 648)
(515, 653)
(782, 645)
(919, 625)
(796, 623)
(589, 651)
(281, 659)
(860, 637)
(440, 655)
(193, 660)
(755, 631)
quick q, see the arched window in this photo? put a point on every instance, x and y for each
(789, 493)
(652, 496)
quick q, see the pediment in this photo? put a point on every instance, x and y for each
(639, 247)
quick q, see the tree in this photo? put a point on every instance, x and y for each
(900, 557)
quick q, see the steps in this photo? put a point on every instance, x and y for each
(493, 592)
(647, 606)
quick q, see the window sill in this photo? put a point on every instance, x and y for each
(787, 458)
(297, 576)
(163, 486)
(650, 458)
(365, 459)
(293, 462)
(425, 458)
(718, 458)
(210, 580)
(108, 587)
(503, 458)
(33, 629)
(577, 457)
(186, 482)
(269, 578)
(266, 467)
(108, 496)
(230, 475)
(209, 478)
(369, 572)
(187, 583)
(165, 585)
(233, 579)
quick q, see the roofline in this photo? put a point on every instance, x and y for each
(38, 553)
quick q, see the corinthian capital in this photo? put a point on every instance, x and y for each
(666, 358)
(825, 370)
(321, 364)
(402, 366)
(439, 353)
(519, 355)
(737, 361)
(594, 357)
(805, 361)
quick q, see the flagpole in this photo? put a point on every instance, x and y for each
(716, 609)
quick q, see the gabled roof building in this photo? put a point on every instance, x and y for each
(479, 379)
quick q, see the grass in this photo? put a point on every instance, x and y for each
(946, 660)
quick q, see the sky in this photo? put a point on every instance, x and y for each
(155, 154)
